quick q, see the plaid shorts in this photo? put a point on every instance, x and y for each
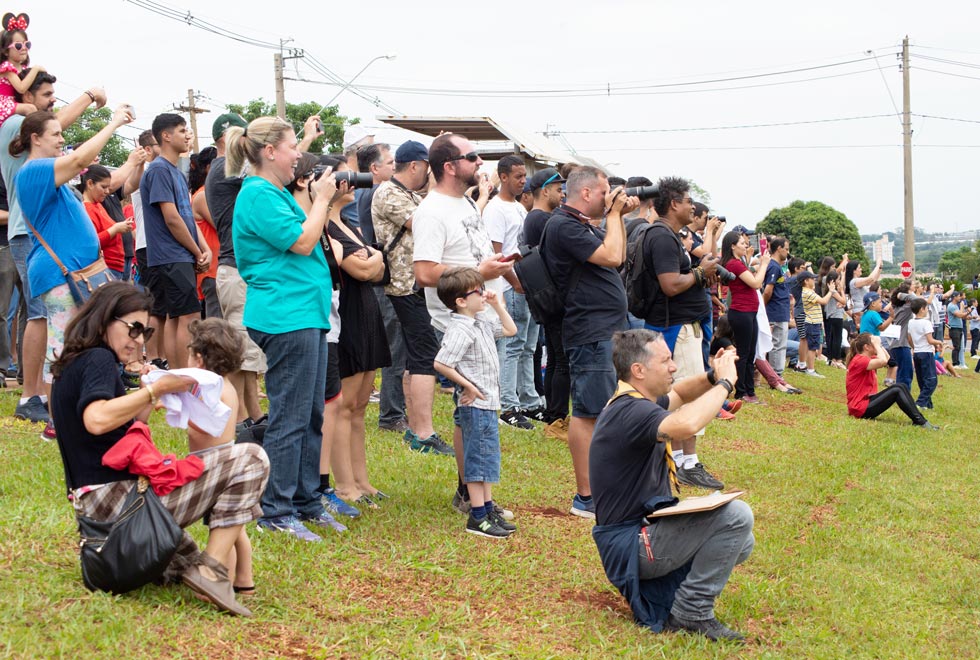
(229, 489)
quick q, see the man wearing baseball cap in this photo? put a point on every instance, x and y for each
(392, 210)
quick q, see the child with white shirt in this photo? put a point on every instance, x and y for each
(923, 351)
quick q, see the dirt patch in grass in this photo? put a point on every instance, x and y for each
(544, 512)
(744, 446)
(601, 600)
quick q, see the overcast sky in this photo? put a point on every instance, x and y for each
(855, 166)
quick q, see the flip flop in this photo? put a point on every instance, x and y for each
(245, 591)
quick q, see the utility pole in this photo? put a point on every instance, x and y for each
(907, 150)
(192, 109)
(280, 87)
(279, 64)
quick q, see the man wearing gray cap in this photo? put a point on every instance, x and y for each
(392, 209)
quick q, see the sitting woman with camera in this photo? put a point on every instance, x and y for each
(92, 412)
(864, 400)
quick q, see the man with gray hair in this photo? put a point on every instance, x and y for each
(582, 260)
(672, 569)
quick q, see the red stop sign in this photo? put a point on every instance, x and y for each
(906, 269)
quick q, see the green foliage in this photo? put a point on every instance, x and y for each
(815, 230)
(963, 262)
(700, 194)
(114, 153)
(297, 113)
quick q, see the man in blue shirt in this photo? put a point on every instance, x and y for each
(955, 313)
(775, 294)
(174, 251)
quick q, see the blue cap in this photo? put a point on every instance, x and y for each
(742, 229)
(411, 151)
(869, 298)
(527, 185)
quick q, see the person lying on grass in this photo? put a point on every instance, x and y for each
(670, 570)
(863, 398)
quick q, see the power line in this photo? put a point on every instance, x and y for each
(783, 147)
(969, 65)
(948, 73)
(723, 128)
(965, 121)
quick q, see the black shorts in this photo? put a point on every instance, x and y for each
(149, 282)
(420, 340)
(332, 390)
(177, 284)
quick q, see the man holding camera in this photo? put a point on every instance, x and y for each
(671, 570)
(679, 308)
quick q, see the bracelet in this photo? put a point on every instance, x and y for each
(91, 96)
(153, 396)
(727, 384)
(710, 373)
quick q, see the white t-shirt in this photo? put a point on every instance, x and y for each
(505, 225)
(449, 231)
(138, 217)
(919, 329)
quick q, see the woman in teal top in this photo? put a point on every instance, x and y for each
(287, 310)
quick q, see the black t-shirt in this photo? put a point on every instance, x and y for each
(698, 242)
(718, 343)
(626, 463)
(596, 307)
(221, 193)
(92, 376)
(534, 226)
(365, 220)
(666, 255)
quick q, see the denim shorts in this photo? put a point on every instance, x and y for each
(593, 377)
(20, 247)
(481, 445)
(813, 331)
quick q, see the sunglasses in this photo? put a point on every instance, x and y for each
(479, 291)
(136, 329)
(20, 45)
(472, 157)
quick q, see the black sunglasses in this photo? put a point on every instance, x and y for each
(472, 157)
(479, 291)
(136, 329)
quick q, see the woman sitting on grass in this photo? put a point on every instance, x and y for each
(92, 412)
(863, 399)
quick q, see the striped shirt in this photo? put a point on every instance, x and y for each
(469, 347)
(812, 307)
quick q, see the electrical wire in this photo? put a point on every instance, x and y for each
(722, 128)
(948, 73)
(783, 147)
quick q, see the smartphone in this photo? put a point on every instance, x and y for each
(754, 242)
(511, 257)
(763, 244)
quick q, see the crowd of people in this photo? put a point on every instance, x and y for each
(314, 272)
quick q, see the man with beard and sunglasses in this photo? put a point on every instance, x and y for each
(449, 231)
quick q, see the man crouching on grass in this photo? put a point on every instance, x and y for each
(672, 569)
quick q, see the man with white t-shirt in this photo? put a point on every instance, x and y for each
(158, 314)
(449, 232)
(504, 218)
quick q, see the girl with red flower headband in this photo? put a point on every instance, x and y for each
(15, 56)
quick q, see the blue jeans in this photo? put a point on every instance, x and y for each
(925, 375)
(392, 406)
(713, 541)
(516, 355)
(903, 360)
(295, 384)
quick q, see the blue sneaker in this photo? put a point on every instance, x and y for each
(289, 525)
(432, 445)
(583, 508)
(324, 519)
(336, 506)
(410, 438)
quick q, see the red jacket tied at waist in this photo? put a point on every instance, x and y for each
(136, 453)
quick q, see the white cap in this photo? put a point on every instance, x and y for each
(355, 134)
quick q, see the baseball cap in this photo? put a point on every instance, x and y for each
(527, 186)
(806, 275)
(870, 297)
(411, 151)
(224, 122)
(355, 134)
(543, 177)
(742, 229)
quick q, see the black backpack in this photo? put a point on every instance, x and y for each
(642, 284)
(544, 300)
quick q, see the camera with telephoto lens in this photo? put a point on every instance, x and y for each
(724, 274)
(353, 179)
(643, 192)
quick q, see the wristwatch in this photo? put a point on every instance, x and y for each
(710, 373)
(727, 384)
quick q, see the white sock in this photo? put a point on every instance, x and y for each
(690, 460)
(44, 399)
(678, 455)
(23, 400)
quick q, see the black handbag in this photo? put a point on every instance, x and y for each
(132, 550)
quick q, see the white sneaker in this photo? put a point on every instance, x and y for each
(813, 372)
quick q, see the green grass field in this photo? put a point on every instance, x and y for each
(867, 546)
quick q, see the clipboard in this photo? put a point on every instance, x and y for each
(696, 504)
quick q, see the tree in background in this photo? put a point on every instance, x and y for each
(297, 113)
(815, 230)
(114, 153)
(962, 263)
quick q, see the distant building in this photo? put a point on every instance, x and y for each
(883, 249)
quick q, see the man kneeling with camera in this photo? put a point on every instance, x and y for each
(669, 568)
